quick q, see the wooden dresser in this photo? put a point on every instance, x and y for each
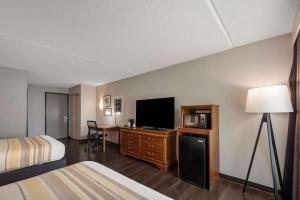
(154, 146)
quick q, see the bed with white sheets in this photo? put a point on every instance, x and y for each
(84, 180)
(18, 153)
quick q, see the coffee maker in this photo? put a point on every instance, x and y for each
(130, 123)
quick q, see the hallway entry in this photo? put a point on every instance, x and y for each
(56, 115)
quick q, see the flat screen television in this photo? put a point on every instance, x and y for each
(155, 113)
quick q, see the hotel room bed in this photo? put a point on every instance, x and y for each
(17, 153)
(85, 180)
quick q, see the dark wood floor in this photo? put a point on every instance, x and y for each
(166, 183)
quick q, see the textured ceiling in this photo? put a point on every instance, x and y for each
(69, 42)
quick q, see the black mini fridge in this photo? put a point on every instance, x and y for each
(193, 160)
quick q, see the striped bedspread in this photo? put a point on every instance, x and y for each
(85, 180)
(16, 153)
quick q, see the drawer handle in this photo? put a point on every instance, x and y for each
(150, 153)
(150, 146)
(150, 139)
(130, 141)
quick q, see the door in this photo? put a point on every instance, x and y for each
(193, 165)
(56, 115)
(74, 118)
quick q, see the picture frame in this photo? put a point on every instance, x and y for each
(118, 105)
(107, 111)
(107, 100)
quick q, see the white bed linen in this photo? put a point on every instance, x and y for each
(140, 189)
(14, 192)
(13, 154)
(57, 148)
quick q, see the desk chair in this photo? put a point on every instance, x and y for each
(93, 135)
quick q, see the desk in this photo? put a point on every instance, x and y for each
(105, 128)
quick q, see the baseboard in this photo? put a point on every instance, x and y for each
(250, 184)
(113, 144)
(81, 141)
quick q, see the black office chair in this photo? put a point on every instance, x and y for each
(93, 135)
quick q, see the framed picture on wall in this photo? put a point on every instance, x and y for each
(107, 111)
(107, 101)
(118, 105)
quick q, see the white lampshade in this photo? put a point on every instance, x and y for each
(270, 99)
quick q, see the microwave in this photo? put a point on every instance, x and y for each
(197, 119)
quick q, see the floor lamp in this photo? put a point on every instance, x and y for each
(266, 100)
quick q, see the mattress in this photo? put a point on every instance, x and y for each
(85, 180)
(17, 153)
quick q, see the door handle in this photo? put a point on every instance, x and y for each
(65, 119)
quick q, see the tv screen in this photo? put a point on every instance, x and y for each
(156, 113)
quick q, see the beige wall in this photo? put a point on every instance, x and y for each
(221, 79)
(36, 107)
(87, 107)
(73, 131)
(296, 27)
(13, 102)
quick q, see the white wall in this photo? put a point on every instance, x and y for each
(36, 107)
(221, 79)
(13, 102)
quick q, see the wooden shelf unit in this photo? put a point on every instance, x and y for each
(157, 147)
(213, 139)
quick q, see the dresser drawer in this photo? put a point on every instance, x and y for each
(130, 140)
(152, 154)
(152, 140)
(126, 134)
(152, 145)
(130, 147)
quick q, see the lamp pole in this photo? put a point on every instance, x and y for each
(266, 118)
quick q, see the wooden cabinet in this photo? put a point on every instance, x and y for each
(211, 133)
(157, 147)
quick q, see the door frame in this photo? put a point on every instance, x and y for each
(67, 110)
